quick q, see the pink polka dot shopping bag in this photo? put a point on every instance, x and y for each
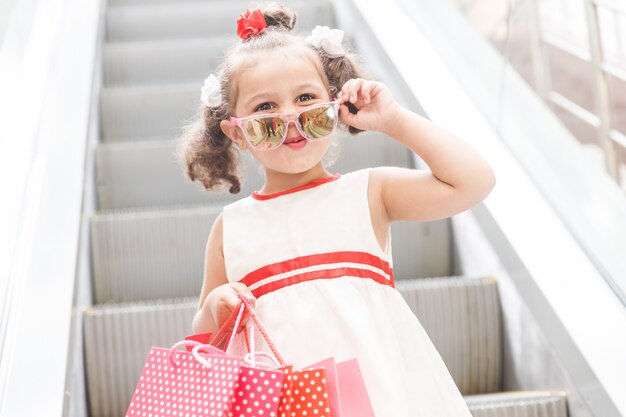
(177, 383)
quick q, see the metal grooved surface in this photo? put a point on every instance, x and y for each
(519, 404)
(461, 316)
(118, 337)
(117, 341)
(185, 19)
(150, 255)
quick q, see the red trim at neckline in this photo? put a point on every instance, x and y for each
(311, 184)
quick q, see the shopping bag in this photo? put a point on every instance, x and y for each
(258, 388)
(205, 381)
(257, 392)
(347, 392)
(186, 383)
(304, 393)
(332, 384)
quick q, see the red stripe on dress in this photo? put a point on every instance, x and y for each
(311, 184)
(317, 259)
(323, 274)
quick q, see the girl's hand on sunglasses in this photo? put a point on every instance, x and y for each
(377, 109)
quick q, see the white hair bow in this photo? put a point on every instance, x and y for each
(328, 40)
(211, 92)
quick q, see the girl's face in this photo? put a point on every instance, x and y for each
(281, 81)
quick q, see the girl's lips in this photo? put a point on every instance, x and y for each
(293, 140)
(297, 145)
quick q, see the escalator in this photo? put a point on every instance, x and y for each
(149, 225)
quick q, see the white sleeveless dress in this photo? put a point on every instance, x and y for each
(324, 288)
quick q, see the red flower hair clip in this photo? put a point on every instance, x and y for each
(250, 23)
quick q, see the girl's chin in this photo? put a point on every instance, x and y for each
(289, 161)
(293, 168)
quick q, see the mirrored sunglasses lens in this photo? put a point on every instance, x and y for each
(265, 132)
(317, 123)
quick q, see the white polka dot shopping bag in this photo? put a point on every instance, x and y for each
(176, 383)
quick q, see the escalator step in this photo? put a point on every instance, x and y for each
(119, 337)
(166, 61)
(146, 255)
(461, 316)
(117, 340)
(147, 111)
(147, 173)
(149, 254)
(518, 404)
(161, 62)
(193, 19)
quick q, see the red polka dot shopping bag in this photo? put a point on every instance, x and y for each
(305, 394)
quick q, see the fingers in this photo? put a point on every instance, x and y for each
(240, 288)
(357, 90)
(345, 115)
(223, 300)
(366, 91)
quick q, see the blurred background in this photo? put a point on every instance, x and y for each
(572, 54)
(102, 237)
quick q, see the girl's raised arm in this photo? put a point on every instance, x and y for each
(459, 177)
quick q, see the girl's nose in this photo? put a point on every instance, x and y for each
(292, 130)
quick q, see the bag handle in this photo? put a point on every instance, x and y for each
(196, 345)
(259, 326)
(251, 359)
(222, 335)
(244, 305)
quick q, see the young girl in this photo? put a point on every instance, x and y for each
(311, 248)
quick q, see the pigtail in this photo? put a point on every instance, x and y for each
(339, 70)
(207, 154)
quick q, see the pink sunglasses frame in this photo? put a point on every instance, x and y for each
(287, 118)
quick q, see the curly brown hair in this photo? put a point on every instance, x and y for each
(206, 152)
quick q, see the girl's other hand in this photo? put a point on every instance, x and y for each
(377, 107)
(221, 302)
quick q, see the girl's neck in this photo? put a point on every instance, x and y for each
(279, 181)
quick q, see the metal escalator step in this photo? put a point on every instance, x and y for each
(131, 175)
(462, 317)
(165, 61)
(147, 173)
(137, 2)
(117, 341)
(190, 19)
(160, 62)
(143, 255)
(518, 404)
(119, 337)
(147, 111)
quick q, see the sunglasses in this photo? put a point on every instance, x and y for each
(268, 131)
